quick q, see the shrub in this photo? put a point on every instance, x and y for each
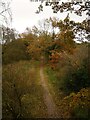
(72, 71)
(76, 105)
(78, 79)
(14, 51)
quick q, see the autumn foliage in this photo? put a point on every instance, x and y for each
(67, 64)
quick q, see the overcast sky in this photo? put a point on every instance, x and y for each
(24, 14)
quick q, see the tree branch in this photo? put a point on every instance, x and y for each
(4, 11)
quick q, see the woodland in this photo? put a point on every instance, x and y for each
(45, 64)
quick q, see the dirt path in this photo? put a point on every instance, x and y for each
(51, 107)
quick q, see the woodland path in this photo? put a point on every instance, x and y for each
(48, 99)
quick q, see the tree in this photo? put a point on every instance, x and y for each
(14, 51)
(5, 11)
(67, 6)
(8, 35)
(5, 16)
(73, 6)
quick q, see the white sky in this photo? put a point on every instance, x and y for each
(24, 14)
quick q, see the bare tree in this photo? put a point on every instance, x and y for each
(5, 12)
(5, 17)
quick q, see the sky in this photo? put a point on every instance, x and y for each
(23, 14)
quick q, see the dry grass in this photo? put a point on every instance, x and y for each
(25, 76)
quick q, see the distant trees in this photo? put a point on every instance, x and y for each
(8, 35)
(47, 40)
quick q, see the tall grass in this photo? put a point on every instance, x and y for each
(22, 94)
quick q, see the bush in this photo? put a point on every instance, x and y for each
(76, 105)
(17, 82)
(14, 51)
(78, 79)
(72, 71)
